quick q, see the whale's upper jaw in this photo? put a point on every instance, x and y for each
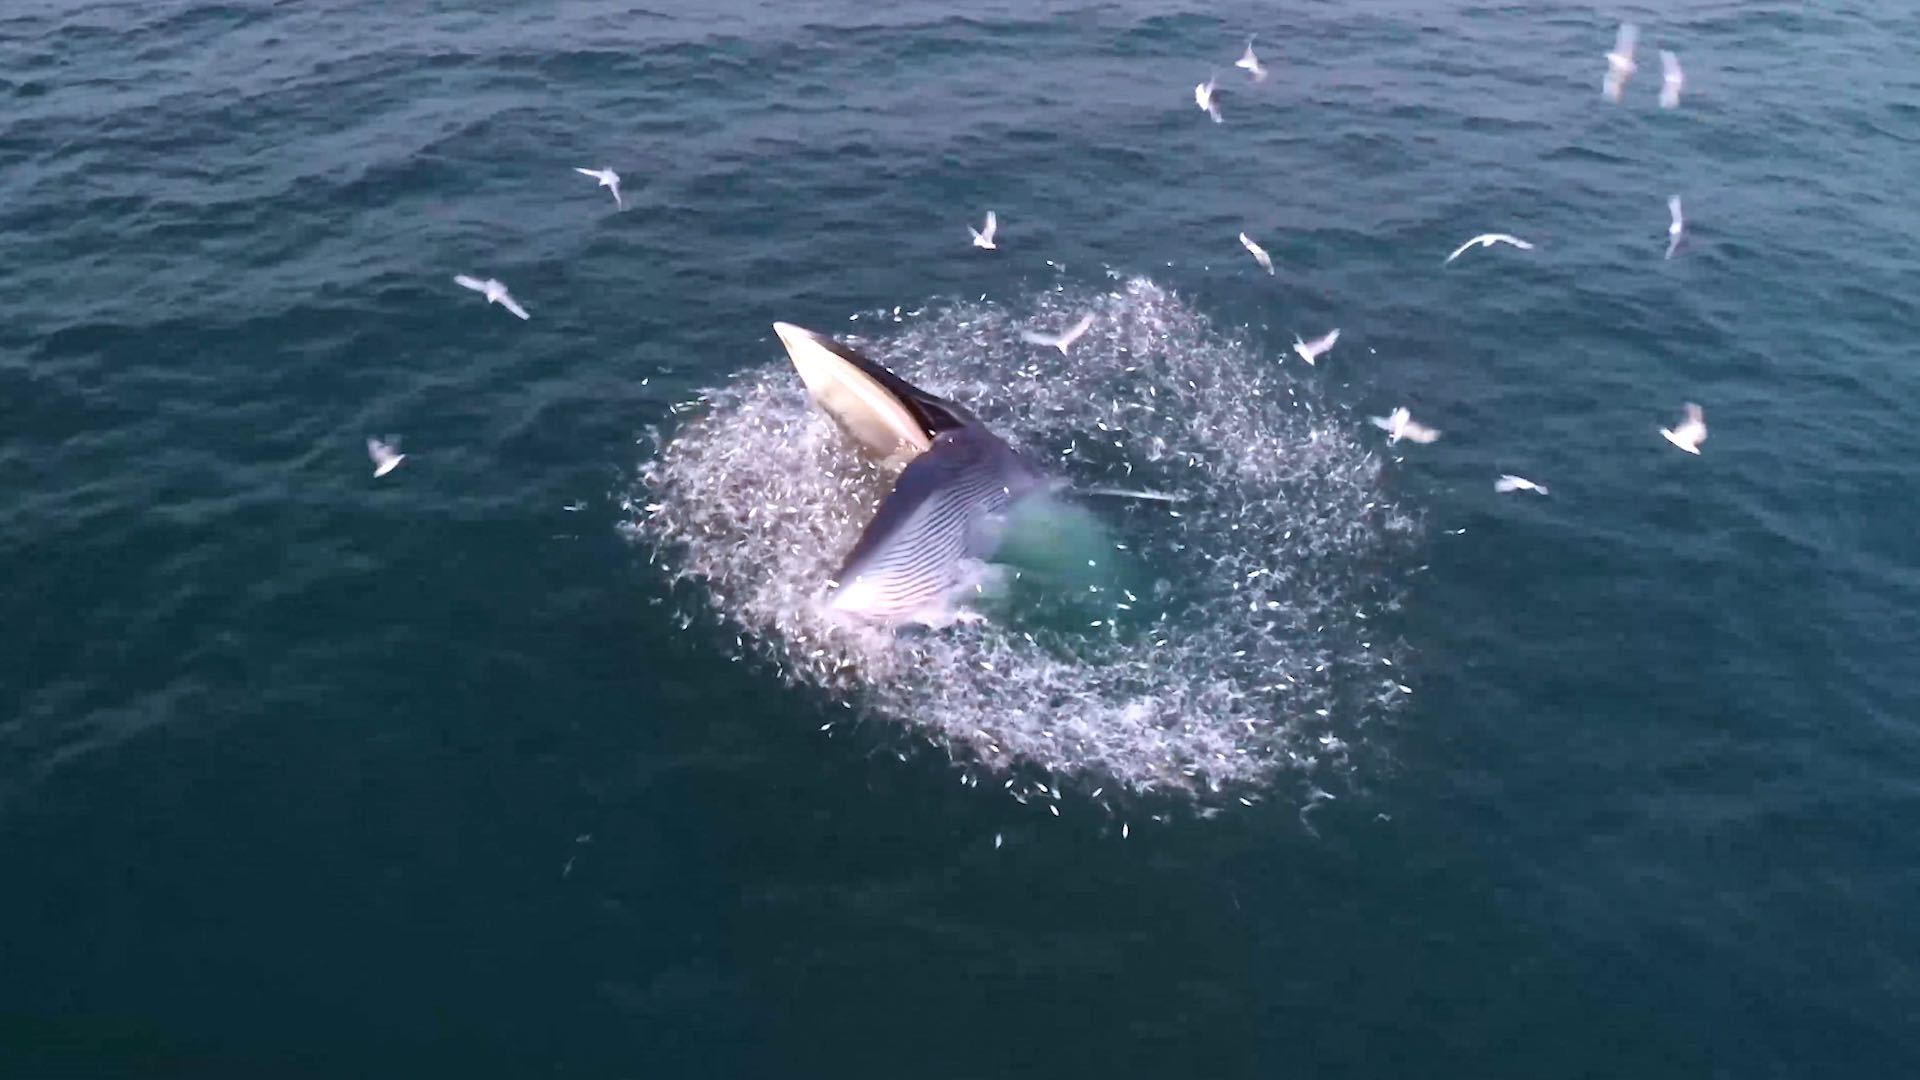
(890, 417)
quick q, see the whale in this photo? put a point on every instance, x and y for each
(957, 482)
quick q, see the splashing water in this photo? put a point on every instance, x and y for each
(1229, 635)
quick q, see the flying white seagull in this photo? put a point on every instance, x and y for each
(1311, 350)
(1620, 62)
(608, 179)
(1509, 482)
(983, 238)
(495, 292)
(1059, 341)
(1252, 63)
(1677, 227)
(1671, 80)
(385, 457)
(1399, 424)
(1690, 432)
(1488, 240)
(1259, 253)
(1203, 97)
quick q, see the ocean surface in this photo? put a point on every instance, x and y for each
(498, 766)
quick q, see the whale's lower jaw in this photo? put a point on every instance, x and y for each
(862, 602)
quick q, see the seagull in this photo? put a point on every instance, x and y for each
(983, 238)
(1059, 341)
(1259, 253)
(1311, 350)
(385, 457)
(1675, 228)
(1399, 424)
(1690, 432)
(1509, 482)
(1488, 240)
(1252, 63)
(1671, 79)
(1203, 97)
(608, 179)
(496, 293)
(1620, 62)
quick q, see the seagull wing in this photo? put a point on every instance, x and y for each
(993, 222)
(1673, 210)
(595, 173)
(1079, 330)
(1625, 40)
(1508, 483)
(1324, 342)
(618, 202)
(1419, 433)
(1695, 425)
(1203, 97)
(1462, 249)
(385, 458)
(1690, 432)
(1251, 63)
(513, 305)
(466, 282)
(1259, 253)
(1670, 69)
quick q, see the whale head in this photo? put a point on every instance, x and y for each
(957, 479)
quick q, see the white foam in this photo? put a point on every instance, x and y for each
(1233, 642)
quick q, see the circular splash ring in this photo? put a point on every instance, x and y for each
(1240, 647)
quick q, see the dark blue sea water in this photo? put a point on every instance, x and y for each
(308, 774)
